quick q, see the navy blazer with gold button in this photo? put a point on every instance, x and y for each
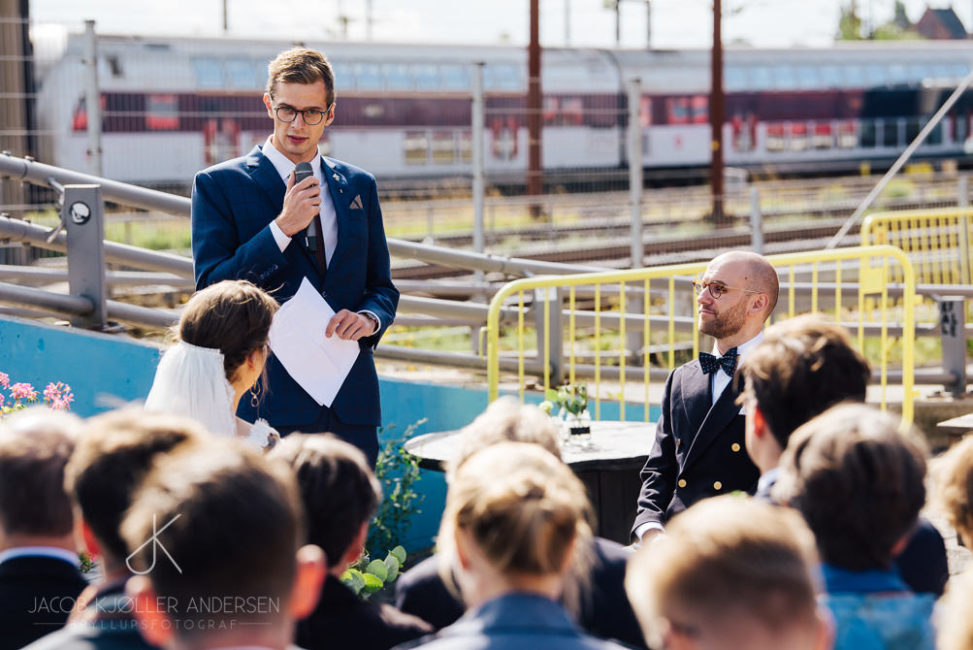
(699, 448)
(233, 204)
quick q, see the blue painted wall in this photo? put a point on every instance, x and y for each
(105, 372)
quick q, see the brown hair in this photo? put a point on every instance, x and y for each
(953, 479)
(232, 316)
(114, 453)
(857, 480)
(338, 488)
(230, 522)
(803, 366)
(35, 445)
(303, 66)
(725, 559)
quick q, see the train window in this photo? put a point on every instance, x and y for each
(898, 74)
(572, 111)
(397, 77)
(935, 136)
(416, 148)
(455, 77)
(912, 128)
(502, 77)
(443, 148)
(918, 73)
(465, 139)
(854, 76)
(785, 77)
(847, 137)
(368, 76)
(735, 78)
(761, 78)
(822, 138)
(162, 112)
(831, 75)
(869, 133)
(875, 75)
(807, 78)
(239, 73)
(427, 77)
(776, 139)
(209, 72)
(890, 133)
(798, 139)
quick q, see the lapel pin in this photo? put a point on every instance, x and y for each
(336, 177)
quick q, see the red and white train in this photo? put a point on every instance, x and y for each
(172, 106)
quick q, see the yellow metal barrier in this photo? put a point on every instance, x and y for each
(937, 241)
(610, 326)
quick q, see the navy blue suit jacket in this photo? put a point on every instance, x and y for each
(232, 206)
(699, 448)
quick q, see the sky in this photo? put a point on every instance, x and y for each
(675, 23)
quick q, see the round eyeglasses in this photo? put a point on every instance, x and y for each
(717, 289)
(311, 116)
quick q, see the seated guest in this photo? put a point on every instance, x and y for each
(39, 576)
(113, 454)
(515, 522)
(953, 480)
(604, 610)
(858, 481)
(215, 534)
(802, 367)
(729, 574)
(219, 356)
(340, 495)
(953, 621)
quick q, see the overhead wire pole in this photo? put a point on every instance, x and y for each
(902, 159)
(535, 175)
(716, 113)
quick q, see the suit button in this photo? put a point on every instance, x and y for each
(682, 482)
(717, 485)
(735, 446)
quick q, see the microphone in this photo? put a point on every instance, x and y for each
(302, 171)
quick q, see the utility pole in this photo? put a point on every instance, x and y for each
(369, 19)
(567, 23)
(716, 113)
(226, 19)
(535, 175)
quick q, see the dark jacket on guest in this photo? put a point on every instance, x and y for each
(605, 612)
(37, 594)
(343, 620)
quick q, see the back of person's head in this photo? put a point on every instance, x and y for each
(802, 367)
(303, 66)
(522, 507)
(212, 524)
(953, 621)
(730, 573)
(35, 445)
(953, 480)
(232, 316)
(506, 420)
(338, 488)
(113, 454)
(858, 481)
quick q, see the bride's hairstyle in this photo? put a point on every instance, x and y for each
(232, 316)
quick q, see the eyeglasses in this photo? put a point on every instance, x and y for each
(311, 116)
(717, 289)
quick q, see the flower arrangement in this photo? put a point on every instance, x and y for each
(572, 403)
(19, 395)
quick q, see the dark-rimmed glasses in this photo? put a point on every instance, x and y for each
(311, 116)
(717, 289)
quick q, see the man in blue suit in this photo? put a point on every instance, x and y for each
(250, 220)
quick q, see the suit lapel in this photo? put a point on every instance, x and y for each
(338, 186)
(715, 421)
(265, 175)
(695, 389)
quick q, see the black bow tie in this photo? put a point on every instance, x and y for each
(728, 362)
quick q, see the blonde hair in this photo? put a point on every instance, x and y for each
(953, 623)
(523, 508)
(953, 486)
(723, 560)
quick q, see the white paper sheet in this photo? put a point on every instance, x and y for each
(318, 363)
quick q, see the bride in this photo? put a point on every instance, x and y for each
(219, 355)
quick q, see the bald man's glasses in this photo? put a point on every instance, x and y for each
(717, 289)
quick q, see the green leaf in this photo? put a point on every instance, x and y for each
(354, 579)
(377, 569)
(400, 554)
(392, 566)
(551, 394)
(372, 583)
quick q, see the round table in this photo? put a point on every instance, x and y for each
(607, 462)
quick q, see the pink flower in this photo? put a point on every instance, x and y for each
(4, 380)
(1, 401)
(52, 392)
(23, 390)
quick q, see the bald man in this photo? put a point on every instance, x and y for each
(699, 449)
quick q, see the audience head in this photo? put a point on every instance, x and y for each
(953, 621)
(953, 480)
(730, 573)
(234, 317)
(339, 491)
(506, 420)
(302, 66)
(515, 516)
(747, 286)
(214, 524)
(113, 454)
(858, 481)
(802, 367)
(35, 445)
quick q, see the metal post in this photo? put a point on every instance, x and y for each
(567, 23)
(82, 213)
(635, 171)
(552, 325)
(716, 114)
(756, 222)
(952, 329)
(478, 121)
(92, 98)
(648, 24)
(964, 230)
(535, 126)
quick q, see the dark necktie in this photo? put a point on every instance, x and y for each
(728, 362)
(318, 248)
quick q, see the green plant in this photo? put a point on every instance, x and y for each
(398, 472)
(367, 577)
(570, 399)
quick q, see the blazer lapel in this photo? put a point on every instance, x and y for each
(717, 418)
(265, 174)
(338, 186)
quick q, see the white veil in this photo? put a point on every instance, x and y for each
(191, 381)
